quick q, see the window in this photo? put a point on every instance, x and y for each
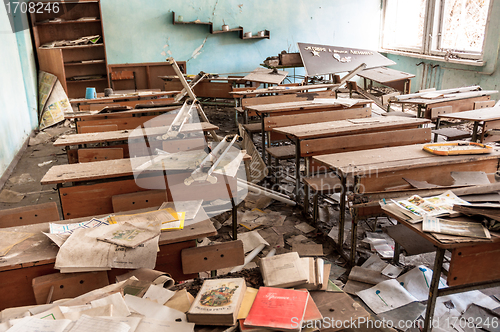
(446, 28)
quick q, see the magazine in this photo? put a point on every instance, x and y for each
(452, 227)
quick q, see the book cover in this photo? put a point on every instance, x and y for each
(286, 270)
(278, 308)
(218, 302)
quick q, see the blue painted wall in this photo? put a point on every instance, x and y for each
(18, 103)
(142, 31)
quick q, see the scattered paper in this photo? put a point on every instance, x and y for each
(153, 310)
(392, 271)
(10, 196)
(158, 294)
(127, 235)
(385, 296)
(119, 306)
(45, 163)
(191, 208)
(94, 324)
(453, 227)
(30, 324)
(152, 325)
(69, 228)
(251, 240)
(162, 216)
(305, 227)
(106, 310)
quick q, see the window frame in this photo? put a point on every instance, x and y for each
(432, 36)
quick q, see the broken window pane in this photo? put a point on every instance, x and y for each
(464, 23)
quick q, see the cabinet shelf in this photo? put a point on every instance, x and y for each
(93, 62)
(66, 22)
(89, 80)
(267, 34)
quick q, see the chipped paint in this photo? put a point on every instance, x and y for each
(198, 50)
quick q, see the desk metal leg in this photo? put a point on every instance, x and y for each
(397, 253)
(474, 131)
(433, 289)
(343, 195)
(297, 170)
(354, 225)
(263, 134)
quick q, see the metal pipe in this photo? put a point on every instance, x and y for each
(249, 258)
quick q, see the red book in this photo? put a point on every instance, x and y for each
(278, 308)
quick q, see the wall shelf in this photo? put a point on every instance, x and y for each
(267, 34)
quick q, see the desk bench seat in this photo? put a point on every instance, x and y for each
(451, 134)
(282, 152)
(253, 128)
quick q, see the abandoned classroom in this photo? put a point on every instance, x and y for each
(249, 165)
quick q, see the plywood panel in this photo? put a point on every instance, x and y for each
(85, 128)
(51, 61)
(121, 123)
(364, 141)
(138, 200)
(97, 154)
(461, 105)
(217, 256)
(472, 264)
(27, 215)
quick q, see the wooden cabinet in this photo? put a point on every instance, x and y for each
(78, 66)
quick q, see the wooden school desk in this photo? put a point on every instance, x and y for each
(486, 118)
(378, 169)
(473, 265)
(396, 79)
(300, 107)
(128, 119)
(86, 189)
(36, 255)
(124, 136)
(350, 135)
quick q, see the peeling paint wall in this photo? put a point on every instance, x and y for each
(142, 31)
(18, 103)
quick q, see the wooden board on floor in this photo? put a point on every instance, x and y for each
(120, 123)
(213, 257)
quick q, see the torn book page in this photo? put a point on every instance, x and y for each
(127, 235)
(158, 294)
(385, 296)
(153, 310)
(96, 324)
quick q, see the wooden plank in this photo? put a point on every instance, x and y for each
(138, 200)
(86, 115)
(459, 105)
(67, 285)
(51, 61)
(477, 263)
(120, 123)
(435, 112)
(485, 114)
(299, 106)
(27, 215)
(484, 104)
(98, 154)
(491, 125)
(384, 75)
(293, 89)
(317, 117)
(213, 257)
(364, 141)
(96, 199)
(286, 98)
(126, 134)
(184, 144)
(395, 158)
(86, 129)
(265, 75)
(349, 127)
(377, 180)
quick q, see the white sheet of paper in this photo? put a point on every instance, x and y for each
(94, 324)
(251, 240)
(152, 325)
(385, 296)
(417, 282)
(53, 314)
(133, 322)
(153, 310)
(158, 294)
(31, 324)
(120, 308)
(105, 310)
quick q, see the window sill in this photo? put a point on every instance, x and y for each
(477, 63)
